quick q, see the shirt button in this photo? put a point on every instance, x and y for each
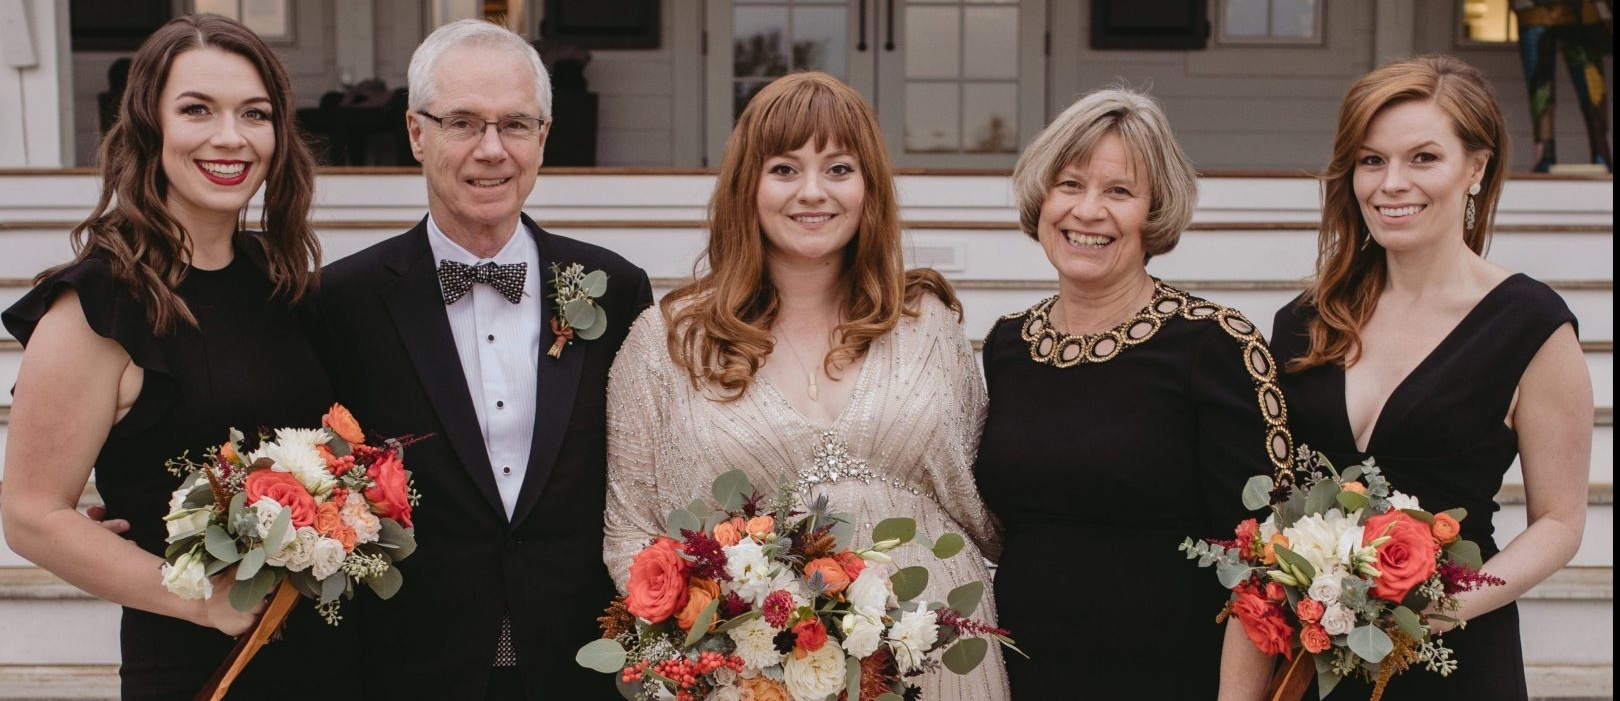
(500, 405)
(491, 338)
(506, 470)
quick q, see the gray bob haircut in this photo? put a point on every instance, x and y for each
(1141, 124)
(471, 33)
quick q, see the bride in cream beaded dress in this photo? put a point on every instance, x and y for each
(885, 426)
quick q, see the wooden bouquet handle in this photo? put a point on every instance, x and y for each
(1291, 680)
(281, 604)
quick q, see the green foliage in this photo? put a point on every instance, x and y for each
(306, 584)
(730, 489)
(251, 562)
(739, 620)
(899, 529)
(333, 587)
(965, 599)
(278, 530)
(595, 283)
(701, 624)
(852, 678)
(397, 538)
(948, 546)
(604, 655)
(909, 582)
(1257, 492)
(387, 584)
(965, 655)
(681, 519)
(1457, 514)
(1352, 501)
(1409, 623)
(247, 594)
(1370, 643)
(1295, 562)
(1465, 552)
(1420, 515)
(1322, 497)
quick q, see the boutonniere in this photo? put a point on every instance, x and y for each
(574, 292)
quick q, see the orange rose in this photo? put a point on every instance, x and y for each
(284, 489)
(1445, 528)
(328, 518)
(833, 578)
(1406, 559)
(1275, 592)
(809, 635)
(345, 535)
(1268, 552)
(763, 689)
(1356, 487)
(658, 586)
(1315, 638)
(343, 424)
(729, 533)
(1263, 622)
(699, 592)
(1310, 611)
(853, 564)
(761, 526)
(390, 492)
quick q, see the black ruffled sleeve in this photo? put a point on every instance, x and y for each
(112, 312)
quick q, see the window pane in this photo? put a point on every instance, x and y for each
(819, 39)
(932, 114)
(990, 117)
(742, 92)
(1490, 21)
(933, 42)
(219, 7)
(759, 39)
(990, 42)
(1293, 18)
(1244, 18)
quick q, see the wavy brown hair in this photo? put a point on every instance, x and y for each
(1349, 278)
(131, 226)
(719, 324)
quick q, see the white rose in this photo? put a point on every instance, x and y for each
(294, 452)
(299, 553)
(328, 558)
(911, 636)
(187, 578)
(1398, 500)
(724, 676)
(1325, 588)
(817, 675)
(357, 515)
(265, 511)
(869, 593)
(755, 645)
(1338, 620)
(862, 634)
(1325, 540)
(750, 571)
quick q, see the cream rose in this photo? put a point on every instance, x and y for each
(817, 675)
(1338, 620)
(1327, 585)
(299, 553)
(265, 511)
(187, 578)
(328, 558)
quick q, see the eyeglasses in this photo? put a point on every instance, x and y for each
(461, 127)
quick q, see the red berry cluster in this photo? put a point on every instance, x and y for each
(684, 672)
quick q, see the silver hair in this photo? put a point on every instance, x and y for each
(473, 33)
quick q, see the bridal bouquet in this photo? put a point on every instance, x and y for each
(763, 599)
(310, 512)
(1347, 570)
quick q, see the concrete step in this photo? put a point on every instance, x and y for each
(58, 682)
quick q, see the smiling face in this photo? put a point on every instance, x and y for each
(476, 187)
(1091, 222)
(1412, 177)
(810, 203)
(217, 134)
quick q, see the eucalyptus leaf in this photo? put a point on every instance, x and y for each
(397, 538)
(852, 678)
(697, 507)
(679, 520)
(387, 584)
(1323, 496)
(1465, 552)
(246, 595)
(306, 584)
(965, 599)
(215, 567)
(333, 586)
(965, 655)
(177, 549)
(714, 519)
(1457, 514)
(1326, 680)
(1350, 474)
(1231, 573)
(948, 546)
(1370, 643)
(899, 528)
(1257, 492)
(578, 313)
(251, 562)
(604, 655)
(595, 329)
(595, 283)
(921, 538)
(277, 537)
(909, 582)
(1408, 620)
(238, 505)
(732, 489)
(1420, 515)
(201, 495)
(339, 448)
(1352, 501)
(700, 625)
(843, 529)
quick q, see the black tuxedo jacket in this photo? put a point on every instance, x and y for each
(394, 364)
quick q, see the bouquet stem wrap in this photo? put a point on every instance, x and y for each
(1291, 680)
(281, 604)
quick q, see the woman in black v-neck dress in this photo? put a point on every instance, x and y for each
(170, 328)
(1440, 365)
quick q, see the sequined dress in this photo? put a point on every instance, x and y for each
(913, 417)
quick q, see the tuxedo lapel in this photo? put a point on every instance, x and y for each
(557, 381)
(417, 308)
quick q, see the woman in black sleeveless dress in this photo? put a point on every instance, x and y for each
(1414, 350)
(169, 328)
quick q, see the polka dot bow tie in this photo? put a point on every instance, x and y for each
(456, 279)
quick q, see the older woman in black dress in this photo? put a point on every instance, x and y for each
(1411, 348)
(172, 326)
(1125, 415)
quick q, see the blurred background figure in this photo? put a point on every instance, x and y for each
(1584, 31)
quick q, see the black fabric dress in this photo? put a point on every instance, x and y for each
(1100, 454)
(250, 365)
(1440, 437)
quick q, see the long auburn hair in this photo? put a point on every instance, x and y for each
(1349, 278)
(719, 324)
(132, 227)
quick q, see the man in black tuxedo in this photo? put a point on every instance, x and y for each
(444, 330)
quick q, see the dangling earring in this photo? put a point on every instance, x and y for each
(1366, 239)
(1469, 214)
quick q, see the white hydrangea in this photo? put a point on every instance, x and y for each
(750, 571)
(328, 558)
(755, 645)
(911, 636)
(1325, 540)
(862, 634)
(294, 452)
(299, 553)
(357, 515)
(1398, 500)
(817, 675)
(187, 578)
(1338, 620)
(870, 593)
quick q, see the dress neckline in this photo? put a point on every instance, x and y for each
(1049, 346)
(854, 394)
(1400, 387)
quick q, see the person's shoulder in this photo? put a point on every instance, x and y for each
(370, 259)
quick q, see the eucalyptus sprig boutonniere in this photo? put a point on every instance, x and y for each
(574, 292)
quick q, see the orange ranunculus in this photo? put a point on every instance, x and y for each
(729, 532)
(228, 452)
(284, 489)
(699, 592)
(809, 635)
(1268, 552)
(763, 689)
(833, 577)
(343, 424)
(658, 586)
(1445, 528)
(1406, 559)
(1315, 638)
(328, 517)
(853, 564)
(760, 526)
(1263, 622)
(390, 493)
(1309, 610)
(1356, 487)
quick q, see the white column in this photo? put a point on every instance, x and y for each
(1394, 36)
(36, 84)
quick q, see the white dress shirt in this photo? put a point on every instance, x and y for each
(499, 345)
